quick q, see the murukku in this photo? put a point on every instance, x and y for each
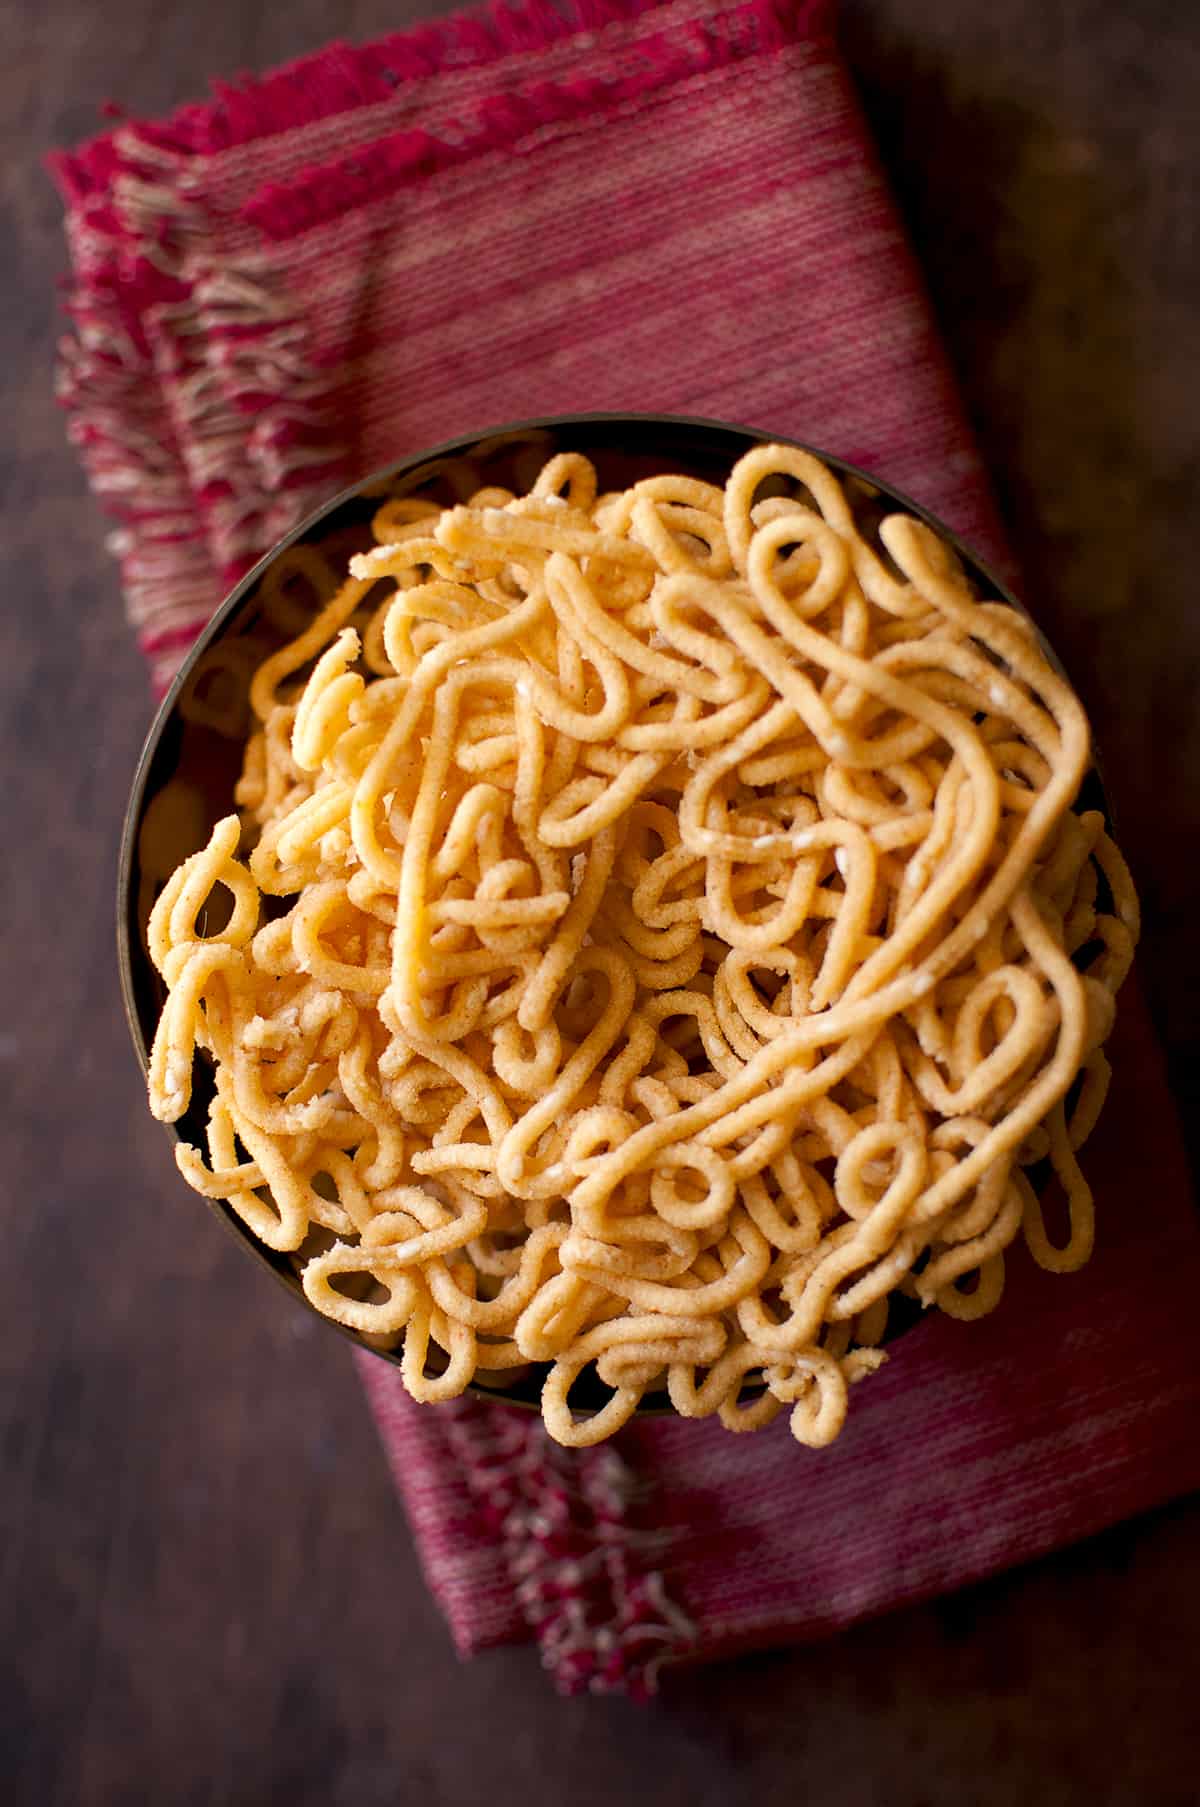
(660, 931)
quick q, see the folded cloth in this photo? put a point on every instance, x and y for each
(634, 206)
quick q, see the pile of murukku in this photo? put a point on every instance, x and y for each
(659, 931)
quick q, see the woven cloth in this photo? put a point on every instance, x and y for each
(613, 204)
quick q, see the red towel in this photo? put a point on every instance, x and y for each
(625, 205)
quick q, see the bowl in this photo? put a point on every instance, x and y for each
(192, 756)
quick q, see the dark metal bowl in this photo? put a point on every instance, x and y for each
(185, 776)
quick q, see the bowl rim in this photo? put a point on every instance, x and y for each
(215, 626)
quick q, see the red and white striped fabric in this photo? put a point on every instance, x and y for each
(612, 204)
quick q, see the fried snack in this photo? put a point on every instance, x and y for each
(659, 929)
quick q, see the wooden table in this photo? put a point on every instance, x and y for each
(209, 1591)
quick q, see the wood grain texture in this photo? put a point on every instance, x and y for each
(208, 1591)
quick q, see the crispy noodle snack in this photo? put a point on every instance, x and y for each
(658, 929)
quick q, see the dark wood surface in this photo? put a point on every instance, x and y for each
(209, 1594)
